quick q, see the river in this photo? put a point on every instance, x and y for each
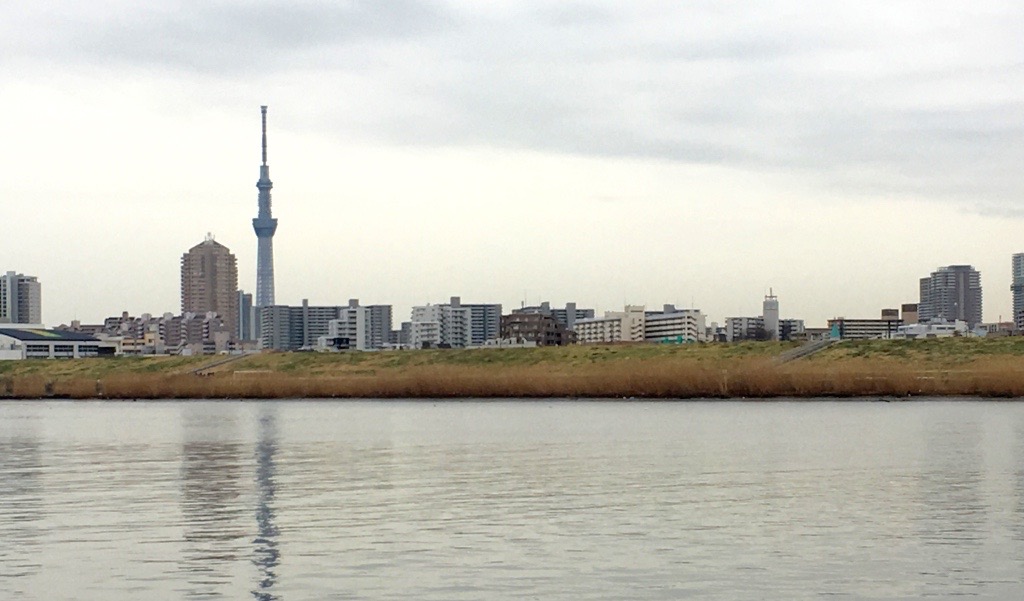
(552, 500)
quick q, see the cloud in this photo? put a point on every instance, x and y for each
(902, 98)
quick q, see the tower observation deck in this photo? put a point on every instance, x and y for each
(265, 225)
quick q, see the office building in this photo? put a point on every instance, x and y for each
(209, 281)
(246, 326)
(20, 299)
(951, 293)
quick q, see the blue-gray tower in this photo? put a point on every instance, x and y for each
(265, 226)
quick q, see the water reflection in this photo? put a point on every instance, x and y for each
(558, 501)
(266, 555)
(1018, 482)
(21, 505)
(212, 507)
(951, 483)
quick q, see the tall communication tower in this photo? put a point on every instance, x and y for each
(265, 226)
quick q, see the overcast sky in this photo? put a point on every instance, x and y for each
(688, 152)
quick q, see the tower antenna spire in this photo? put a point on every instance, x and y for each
(263, 110)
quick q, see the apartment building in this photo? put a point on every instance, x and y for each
(20, 299)
(361, 328)
(615, 326)
(289, 328)
(455, 324)
(538, 328)
(209, 281)
(672, 325)
(951, 293)
(567, 316)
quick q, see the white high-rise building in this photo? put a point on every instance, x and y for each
(20, 299)
(770, 314)
(366, 328)
(1017, 287)
(425, 326)
(455, 324)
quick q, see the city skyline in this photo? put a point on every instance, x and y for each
(601, 154)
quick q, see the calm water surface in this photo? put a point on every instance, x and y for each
(511, 500)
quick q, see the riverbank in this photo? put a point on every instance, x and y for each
(947, 367)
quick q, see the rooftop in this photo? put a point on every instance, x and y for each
(39, 334)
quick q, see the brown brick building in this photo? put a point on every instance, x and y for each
(209, 281)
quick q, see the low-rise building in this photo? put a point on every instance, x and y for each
(38, 343)
(842, 328)
(908, 313)
(932, 329)
(999, 328)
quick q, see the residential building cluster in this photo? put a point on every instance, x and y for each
(217, 317)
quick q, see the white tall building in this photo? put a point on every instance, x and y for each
(425, 326)
(366, 328)
(20, 299)
(770, 315)
(455, 324)
(1017, 287)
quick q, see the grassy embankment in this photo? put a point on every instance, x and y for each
(963, 366)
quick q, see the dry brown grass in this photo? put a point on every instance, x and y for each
(656, 377)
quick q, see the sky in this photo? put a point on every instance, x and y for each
(699, 153)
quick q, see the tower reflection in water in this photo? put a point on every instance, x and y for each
(215, 528)
(266, 555)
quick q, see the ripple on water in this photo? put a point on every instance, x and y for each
(566, 500)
